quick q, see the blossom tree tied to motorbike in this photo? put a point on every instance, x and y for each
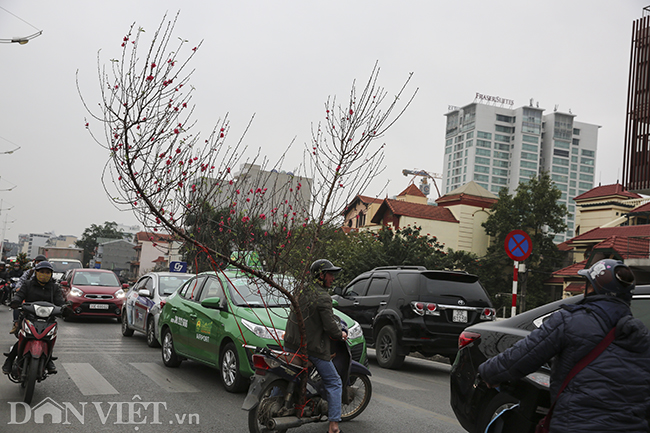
(214, 195)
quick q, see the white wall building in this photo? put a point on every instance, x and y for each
(498, 146)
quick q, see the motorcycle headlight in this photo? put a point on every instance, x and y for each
(76, 292)
(42, 311)
(355, 331)
(120, 294)
(263, 331)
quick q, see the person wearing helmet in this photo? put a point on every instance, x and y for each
(24, 277)
(320, 325)
(40, 287)
(4, 278)
(612, 392)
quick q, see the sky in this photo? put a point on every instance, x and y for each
(279, 61)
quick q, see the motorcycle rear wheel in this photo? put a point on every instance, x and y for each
(31, 367)
(360, 391)
(254, 426)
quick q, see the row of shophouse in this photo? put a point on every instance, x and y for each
(610, 223)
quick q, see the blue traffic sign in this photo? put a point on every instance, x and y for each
(518, 245)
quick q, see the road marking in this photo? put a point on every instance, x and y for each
(88, 380)
(396, 384)
(427, 413)
(164, 377)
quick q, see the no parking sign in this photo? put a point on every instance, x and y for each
(518, 245)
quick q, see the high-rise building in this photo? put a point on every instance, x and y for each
(636, 154)
(498, 146)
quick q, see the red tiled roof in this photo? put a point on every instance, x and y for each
(628, 248)
(564, 246)
(412, 190)
(642, 208)
(414, 210)
(603, 191)
(602, 233)
(159, 259)
(368, 200)
(153, 237)
(570, 271)
(575, 287)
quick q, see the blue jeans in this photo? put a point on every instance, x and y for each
(333, 385)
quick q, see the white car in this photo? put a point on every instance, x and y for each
(142, 306)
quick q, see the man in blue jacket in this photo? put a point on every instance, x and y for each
(612, 393)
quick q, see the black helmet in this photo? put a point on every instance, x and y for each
(322, 265)
(610, 277)
(2, 264)
(44, 265)
(40, 258)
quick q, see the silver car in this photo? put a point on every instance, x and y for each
(144, 301)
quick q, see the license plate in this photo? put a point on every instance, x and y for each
(98, 306)
(459, 316)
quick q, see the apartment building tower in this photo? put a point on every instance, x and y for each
(498, 146)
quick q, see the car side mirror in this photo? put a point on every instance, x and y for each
(145, 293)
(125, 285)
(338, 291)
(64, 284)
(214, 303)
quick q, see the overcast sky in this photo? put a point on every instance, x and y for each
(280, 61)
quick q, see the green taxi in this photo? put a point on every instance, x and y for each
(217, 319)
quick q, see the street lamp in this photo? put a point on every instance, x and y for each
(21, 40)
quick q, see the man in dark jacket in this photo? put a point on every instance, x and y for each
(320, 325)
(612, 393)
(40, 287)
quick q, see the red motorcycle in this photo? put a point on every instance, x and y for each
(35, 343)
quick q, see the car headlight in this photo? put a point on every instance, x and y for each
(76, 292)
(120, 294)
(42, 311)
(263, 331)
(355, 331)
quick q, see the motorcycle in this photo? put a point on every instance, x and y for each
(273, 404)
(36, 340)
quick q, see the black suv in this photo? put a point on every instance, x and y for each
(409, 308)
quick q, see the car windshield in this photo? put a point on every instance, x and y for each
(63, 266)
(108, 279)
(453, 285)
(247, 292)
(168, 285)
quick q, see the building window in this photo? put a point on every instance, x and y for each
(481, 169)
(481, 177)
(499, 180)
(528, 164)
(507, 119)
(559, 152)
(561, 170)
(501, 146)
(576, 131)
(469, 143)
(481, 134)
(561, 144)
(572, 192)
(496, 188)
(469, 135)
(498, 163)
(559, 178)
(574, 175)
(574, 159)
(587, 177)
(584, 185)
(561, 186)
(449, 142)
(501, 155)
(483, 152)
(527, 173)
(586, 161)
(529, 156)
(576, 142)
(574, 151)
(561, 161)
(479, 160)
(585, 169)
(459, 138)
(574, 167)
(572, 183)
(483, 143)
(506, 129)
(503, 138)
(529, 147)
(484, 185)
(500, 172)
(589, 153)
(530, 139)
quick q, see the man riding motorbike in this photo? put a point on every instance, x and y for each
(321, 325)
(40, 287)
(24, 276)
(4, 278)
